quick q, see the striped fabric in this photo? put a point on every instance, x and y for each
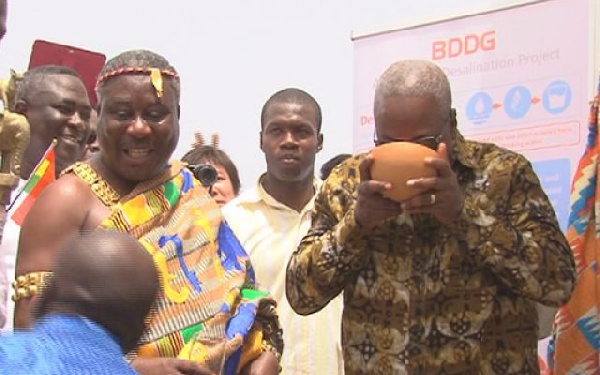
(575, 344)
(204, 270)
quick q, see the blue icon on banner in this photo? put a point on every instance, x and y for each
(555, 177)
(517, 102)
(557, 97)
(479, 108)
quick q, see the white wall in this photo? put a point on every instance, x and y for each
(232, 54)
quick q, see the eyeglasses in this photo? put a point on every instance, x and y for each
(429, 141)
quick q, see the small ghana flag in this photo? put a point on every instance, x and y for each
(43, 175)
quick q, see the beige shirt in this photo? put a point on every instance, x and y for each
(270, 231)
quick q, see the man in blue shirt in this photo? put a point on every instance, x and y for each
(91, 313)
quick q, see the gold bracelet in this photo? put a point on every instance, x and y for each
(30, 284)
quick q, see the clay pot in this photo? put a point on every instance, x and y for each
(398, 162)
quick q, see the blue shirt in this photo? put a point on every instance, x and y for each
(63, 344)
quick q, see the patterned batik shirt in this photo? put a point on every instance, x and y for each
(421, 297)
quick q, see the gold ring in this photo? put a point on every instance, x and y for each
(432, 199)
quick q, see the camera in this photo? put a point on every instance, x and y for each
(205, 173)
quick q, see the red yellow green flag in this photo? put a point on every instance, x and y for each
(43, 175)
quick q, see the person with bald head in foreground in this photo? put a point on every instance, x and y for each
(92, 311)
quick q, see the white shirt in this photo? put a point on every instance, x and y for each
(270, 231)
(8, 256)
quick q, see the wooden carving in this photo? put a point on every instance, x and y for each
(14, 135)
(8, 89)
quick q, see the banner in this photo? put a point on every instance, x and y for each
(521, 77)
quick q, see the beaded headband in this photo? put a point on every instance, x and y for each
(155, 76)
(200, 141)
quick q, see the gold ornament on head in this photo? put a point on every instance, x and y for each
(157, 81)
(156, 76)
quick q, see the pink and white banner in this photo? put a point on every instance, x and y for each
(521, 77)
